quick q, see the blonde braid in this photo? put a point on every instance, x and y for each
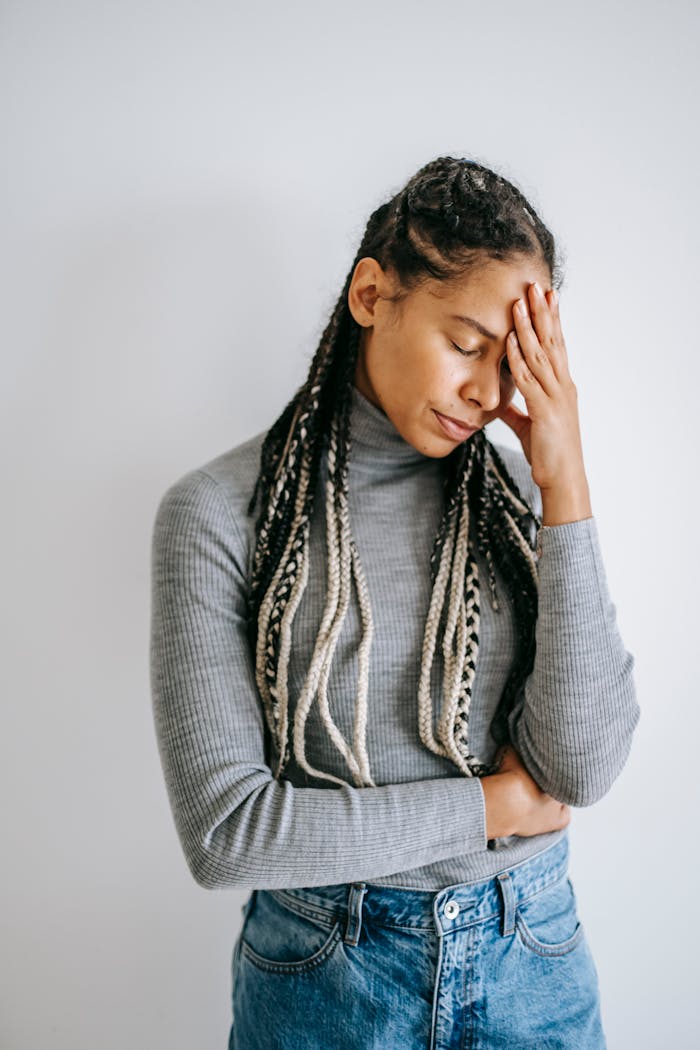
(343, 566)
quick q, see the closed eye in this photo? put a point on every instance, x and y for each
(461, 350)
(468, 353)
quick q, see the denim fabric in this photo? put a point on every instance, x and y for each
(501, 962)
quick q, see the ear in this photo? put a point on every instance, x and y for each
(369, 283)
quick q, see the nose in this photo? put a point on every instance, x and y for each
(483, 387)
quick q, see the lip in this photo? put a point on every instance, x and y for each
(455, 428)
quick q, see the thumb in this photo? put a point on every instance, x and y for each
(513, 417)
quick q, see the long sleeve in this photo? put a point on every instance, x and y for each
(573, 728)
(237, 825)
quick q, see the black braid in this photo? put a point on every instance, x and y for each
(494, 537)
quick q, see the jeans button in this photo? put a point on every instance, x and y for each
(451, 909)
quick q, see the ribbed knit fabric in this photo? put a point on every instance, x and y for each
(423, 825)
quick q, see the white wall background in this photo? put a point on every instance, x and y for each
(184, 188)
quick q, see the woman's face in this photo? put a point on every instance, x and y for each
(409, 364)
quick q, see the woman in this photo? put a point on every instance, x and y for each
(385, 662)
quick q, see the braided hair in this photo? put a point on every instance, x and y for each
(451, 216)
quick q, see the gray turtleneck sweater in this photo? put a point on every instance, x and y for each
(423, 824)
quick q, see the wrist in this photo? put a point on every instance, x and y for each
(564, 503)
(499, 805)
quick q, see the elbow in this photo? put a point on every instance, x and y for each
(609, 758)
(218, 838)
(575, 782)
(568, 779)
(595, 772)
(204, 873)
(579, 764)
(208, 868)
(211, 875)
(585, 786)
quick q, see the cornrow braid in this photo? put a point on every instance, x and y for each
(451, 216)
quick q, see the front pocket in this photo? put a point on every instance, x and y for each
(547, 923)
(278, 939)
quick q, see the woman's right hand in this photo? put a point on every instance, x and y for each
(516, 805)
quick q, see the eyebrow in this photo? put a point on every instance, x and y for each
(473, 324)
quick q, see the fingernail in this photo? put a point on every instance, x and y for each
(520, 306)
(538, 290)
(555, 297)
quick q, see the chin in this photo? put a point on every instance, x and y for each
(437, 449)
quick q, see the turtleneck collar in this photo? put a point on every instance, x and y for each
(375, 439)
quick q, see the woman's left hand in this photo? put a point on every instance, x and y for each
(549, 433)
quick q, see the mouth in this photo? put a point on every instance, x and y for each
(455, 428)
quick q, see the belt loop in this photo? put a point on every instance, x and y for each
(506, 884)
(354, 923)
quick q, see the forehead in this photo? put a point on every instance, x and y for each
(485, 296)
(492, 283)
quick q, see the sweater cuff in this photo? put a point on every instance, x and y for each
(562, 542)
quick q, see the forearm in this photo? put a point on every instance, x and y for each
(240, 828)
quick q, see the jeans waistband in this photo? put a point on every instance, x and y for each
(447, 909)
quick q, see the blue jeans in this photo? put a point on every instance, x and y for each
(502, 962)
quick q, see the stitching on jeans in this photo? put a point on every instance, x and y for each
(540, 948)
(547, 885)
(295, 967)
(294, 904)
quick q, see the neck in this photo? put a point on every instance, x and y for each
(374, 438)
